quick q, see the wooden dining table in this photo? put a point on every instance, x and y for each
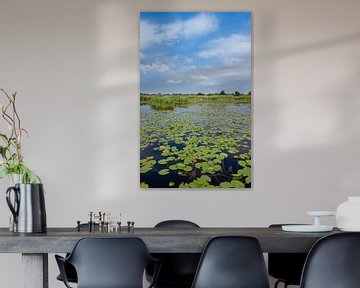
(35, 247)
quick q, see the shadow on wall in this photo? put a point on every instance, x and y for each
(305, 119)
(309, 47)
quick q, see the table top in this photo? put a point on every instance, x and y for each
(158, 240)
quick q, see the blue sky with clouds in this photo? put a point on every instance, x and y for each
(191, 52)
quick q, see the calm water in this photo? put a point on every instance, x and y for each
(198, 146)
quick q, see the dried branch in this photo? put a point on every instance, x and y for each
(11, 155)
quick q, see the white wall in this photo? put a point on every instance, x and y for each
(75, 67)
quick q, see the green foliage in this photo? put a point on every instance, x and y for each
(147, 164)
(169, 102)
(144, 185)
(12, 161)
(232, 184)
(164, 172)
(245, 171)
(201, 182)
(164, 102)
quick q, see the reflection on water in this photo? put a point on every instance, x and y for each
(205, 145)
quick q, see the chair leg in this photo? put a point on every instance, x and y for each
(278, 282)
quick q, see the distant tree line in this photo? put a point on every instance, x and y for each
(222, 92)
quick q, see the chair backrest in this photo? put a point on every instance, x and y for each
(176, 224)
(333, 262)
(110, 262)
(232, 262)
(178, 269)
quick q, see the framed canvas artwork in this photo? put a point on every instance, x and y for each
(195, 99)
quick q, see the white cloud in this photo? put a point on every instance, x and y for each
(232, 46)
(149, 34)
(208, 83)
(171, 81)
(199, 77)
(168, 32)
(154, 67)
(231, 62)
(183, 60)
(199, 25)
(210, 75)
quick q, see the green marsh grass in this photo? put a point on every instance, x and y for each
(169, 102)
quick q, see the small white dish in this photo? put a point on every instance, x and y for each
(306, 228)
(316, 227)
(321, 213)
(350, 229)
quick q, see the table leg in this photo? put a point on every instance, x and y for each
(35, 270)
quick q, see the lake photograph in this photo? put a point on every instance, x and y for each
(195, 100)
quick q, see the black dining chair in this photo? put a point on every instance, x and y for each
(70, 271)
(333, 262)
(178, 269)
(232, 262)
(286, 267)
(108, 263)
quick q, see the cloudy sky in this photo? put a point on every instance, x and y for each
(195, 52)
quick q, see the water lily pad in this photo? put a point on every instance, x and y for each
(243, 163)
(163, 161)
(237, 184)
(223, 155)
(225, 184)
(144, 185)
(173, 167)
(188, 168)
(163, 172)
(145, 169)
